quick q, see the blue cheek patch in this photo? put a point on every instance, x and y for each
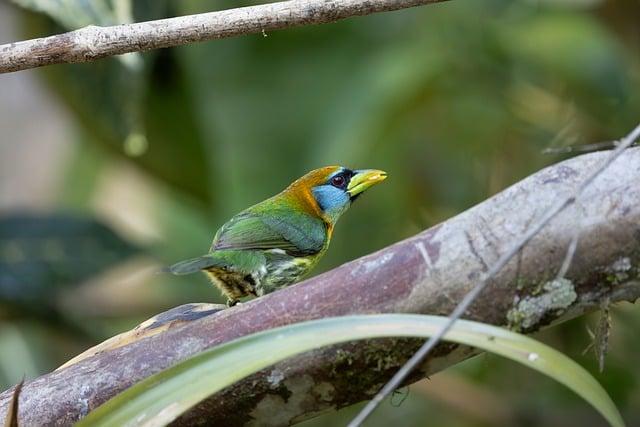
(331, 200)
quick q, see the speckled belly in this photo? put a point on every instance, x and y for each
(283, 272)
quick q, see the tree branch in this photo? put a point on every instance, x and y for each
(511, 252)
(90, 43)
(429, 273)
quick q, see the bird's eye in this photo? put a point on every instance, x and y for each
(338, 181)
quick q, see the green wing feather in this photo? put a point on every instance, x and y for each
(238, 243)
(298, 234)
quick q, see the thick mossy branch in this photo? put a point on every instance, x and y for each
(428, 273)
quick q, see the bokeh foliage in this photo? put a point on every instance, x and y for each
(456, 101)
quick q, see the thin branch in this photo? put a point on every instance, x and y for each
(571, 251)
(92, 42)
(462, 307)
(585, 148)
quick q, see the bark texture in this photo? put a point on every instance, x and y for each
(428, 273)
(90, 43)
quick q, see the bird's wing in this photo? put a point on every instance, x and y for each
(296, 234)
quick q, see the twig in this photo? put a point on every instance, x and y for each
(573, 245)
(600, 338)
(94, 42)
(604, 145)
(12, 414)
(571, 251)
(462, 307)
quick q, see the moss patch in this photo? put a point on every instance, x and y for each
(554, 297)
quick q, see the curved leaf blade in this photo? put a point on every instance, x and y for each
(161, 398)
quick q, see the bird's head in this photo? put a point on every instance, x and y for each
(329, 191)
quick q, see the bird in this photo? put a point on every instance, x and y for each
(277, 242)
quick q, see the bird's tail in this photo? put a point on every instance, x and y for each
(191, 265)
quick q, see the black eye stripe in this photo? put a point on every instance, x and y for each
(341, 180)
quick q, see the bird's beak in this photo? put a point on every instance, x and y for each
(363, 179)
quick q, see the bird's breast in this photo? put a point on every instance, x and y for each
(283, 270)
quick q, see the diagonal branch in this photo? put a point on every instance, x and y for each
(468, 299)
(90, 43)
(429, 273)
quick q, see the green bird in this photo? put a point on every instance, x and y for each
(276, 242)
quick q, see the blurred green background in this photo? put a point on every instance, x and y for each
(112, 169)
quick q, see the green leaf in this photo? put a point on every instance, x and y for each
(161, 398)
(42, 255)
(74, 14)
(137, 106)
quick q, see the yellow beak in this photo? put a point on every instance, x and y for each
(363, 179)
